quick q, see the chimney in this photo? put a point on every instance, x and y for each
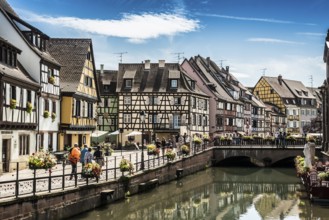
(280, 79)
(162, 63)
(102, 69)
(147, 65)
(208, 61)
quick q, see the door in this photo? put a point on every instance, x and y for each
(5, 154)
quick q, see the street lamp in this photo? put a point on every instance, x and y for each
(142, 117)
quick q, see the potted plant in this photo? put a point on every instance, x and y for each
(206, 137)
(185, 149)
(53, 116)
(46, 114)
(170, 154)
(323, 176)
(152, 150)
(13, 103)
(51, 79)
(126, 165)
(42, 160)
(29, 107)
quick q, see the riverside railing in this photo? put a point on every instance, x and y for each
(29, 182)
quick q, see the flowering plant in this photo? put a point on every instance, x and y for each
(185, 149)
(152, 149)
(170, 154)
(29, 107)
(206, 137)
(41, 160)
(45, 114)
(126, 165)
(197, 140)
(53, 116)
(91, 170)
(13, 103)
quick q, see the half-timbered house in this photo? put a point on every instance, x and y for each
(41, 66)
(18, 114)
(325, 96)
(107, 111)
(79, 91)
(172, 101)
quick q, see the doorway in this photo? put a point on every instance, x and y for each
(5, 155)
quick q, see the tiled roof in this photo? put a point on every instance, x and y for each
(71, 54)
(298, 89)
(18, 73)
(155, 79)
(5, 6)
(281, 89)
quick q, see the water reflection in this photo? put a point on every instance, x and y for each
(220, 193)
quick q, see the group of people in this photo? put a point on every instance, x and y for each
(84, 156)
(280, 139)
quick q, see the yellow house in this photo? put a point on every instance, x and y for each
(79, 92)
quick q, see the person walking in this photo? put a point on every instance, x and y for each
(309, 152)
(88, 156)
(74, 157)
(98, 155)
(83, 153)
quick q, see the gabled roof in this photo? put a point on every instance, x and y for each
(281, 88)
(154, 79)
(72, 54)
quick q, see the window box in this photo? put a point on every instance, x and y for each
(45, 114)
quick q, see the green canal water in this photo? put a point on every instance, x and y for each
(220, 193)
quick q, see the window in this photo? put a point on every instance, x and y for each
(127, 100)
(194, 102)
(106, 88)
(13, 92)
(177, 100)
(77, 108)
(200, 120)
(128, 83)
(153, 100)
(194, 119)
(174, 83)
(88, 81)
(219, 122)
(205, 120)
(228, 106)
(29, 96)
(205, 107)
(126, 118)
(24, 144)
(152, 118)
(220, 105)
(90, 110)
(50, 141)
(54, 107)
(176, 121)
(46, 107)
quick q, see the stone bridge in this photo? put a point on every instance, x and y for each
(262, 156)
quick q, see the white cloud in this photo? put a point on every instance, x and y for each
(311, 34)
(137, 28)
(268, 20)
(272, 40)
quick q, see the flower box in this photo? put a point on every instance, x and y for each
(170, 154)
(185, 149)
(42, 160)
(152, 150)
(126, 165)
(197, 140)
(51, 79)
(29, 107)
(13, 103)
(91, 170)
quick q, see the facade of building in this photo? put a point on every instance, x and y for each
(291, 98)
(107, 111)
(18, 104)
(171, 100)
(42, 68)
(79, 91)
(325, 97)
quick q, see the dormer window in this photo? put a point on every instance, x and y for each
(128, 83)
(305, 93)
(173, 83)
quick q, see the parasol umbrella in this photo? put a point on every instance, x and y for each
(115, 132)
(133, 133)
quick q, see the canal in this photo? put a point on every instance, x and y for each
(220, 193)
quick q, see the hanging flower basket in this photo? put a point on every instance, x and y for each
(91, 170)
(29, 107)
(42, 160)
(206, 137)
(126, 165)
(13, 103)
(185, 149)
(51, 80)
(45, 114)
(152, 150)
(197, 140)
(53, 116)
(170, 154)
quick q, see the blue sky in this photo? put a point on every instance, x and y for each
(253, 37)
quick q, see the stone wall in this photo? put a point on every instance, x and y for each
(70, 202)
